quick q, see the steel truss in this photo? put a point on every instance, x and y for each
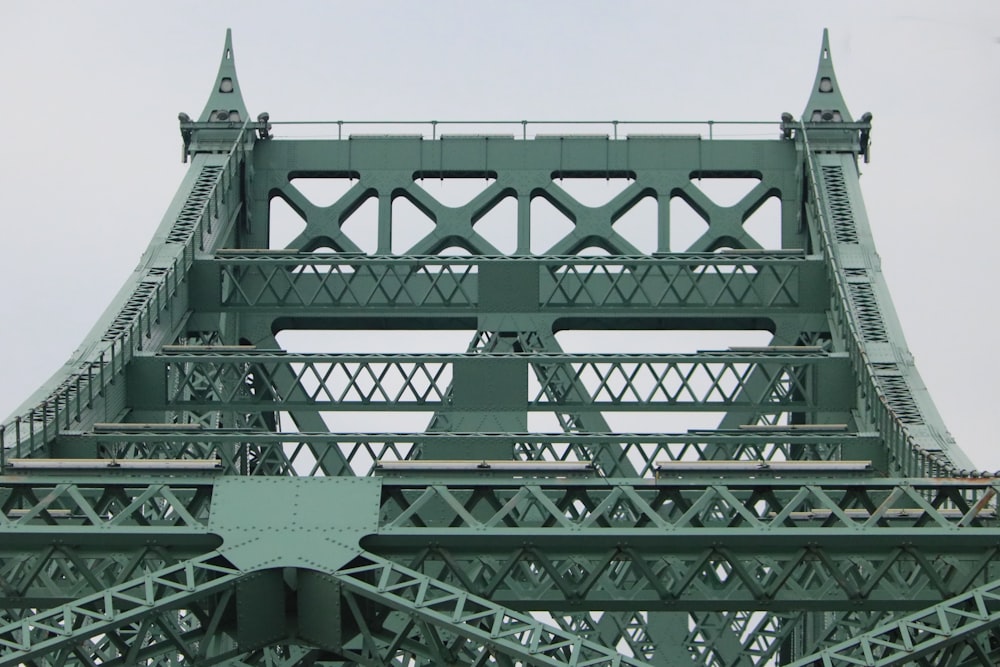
(189, 492)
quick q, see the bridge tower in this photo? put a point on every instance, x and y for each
(190, 492)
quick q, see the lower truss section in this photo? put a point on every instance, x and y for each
(388, 615)
(457, 627)
(959, 631)
(167, 610)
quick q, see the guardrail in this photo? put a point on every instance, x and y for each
(27, 432)
(525, 129)
(615, 129)
(909, 455)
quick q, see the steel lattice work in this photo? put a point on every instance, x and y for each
(191, 492)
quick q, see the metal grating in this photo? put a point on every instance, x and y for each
(865, 306)
(897, 393)
(136, 304)
(840, 204)
(195, 204)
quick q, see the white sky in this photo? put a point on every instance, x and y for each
(90, 94)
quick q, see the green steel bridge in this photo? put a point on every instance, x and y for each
(190, 492)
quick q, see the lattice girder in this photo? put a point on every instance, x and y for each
(299, 454)
(705, 285)
(707, 381)
(893, 544)
(660, 167)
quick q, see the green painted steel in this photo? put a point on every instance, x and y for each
(943, 635)
(189, 491)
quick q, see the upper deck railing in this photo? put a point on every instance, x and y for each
(528, 129)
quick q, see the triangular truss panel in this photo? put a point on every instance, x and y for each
(193, 493)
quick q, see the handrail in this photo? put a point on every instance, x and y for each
(913, 459)
(25, 433)
(610, 126)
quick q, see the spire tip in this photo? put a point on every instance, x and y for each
(225, 103)
(826, 102)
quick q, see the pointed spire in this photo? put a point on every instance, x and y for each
(225, 104)
(826, 103)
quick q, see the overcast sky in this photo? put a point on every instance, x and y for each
(90, 94)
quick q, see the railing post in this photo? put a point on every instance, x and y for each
(31, 429)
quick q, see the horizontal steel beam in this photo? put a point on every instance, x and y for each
(652, 541)
(717, 579)
(674, 515)
(794, 435)
(709, 544)
(681, 544)
(771, 506)
(342, 285)
(296, 454)
(756, 382)
(568, 154)
(655, 542)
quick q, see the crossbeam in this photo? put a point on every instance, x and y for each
(709, 381)
(333, 285)
(296, 454)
